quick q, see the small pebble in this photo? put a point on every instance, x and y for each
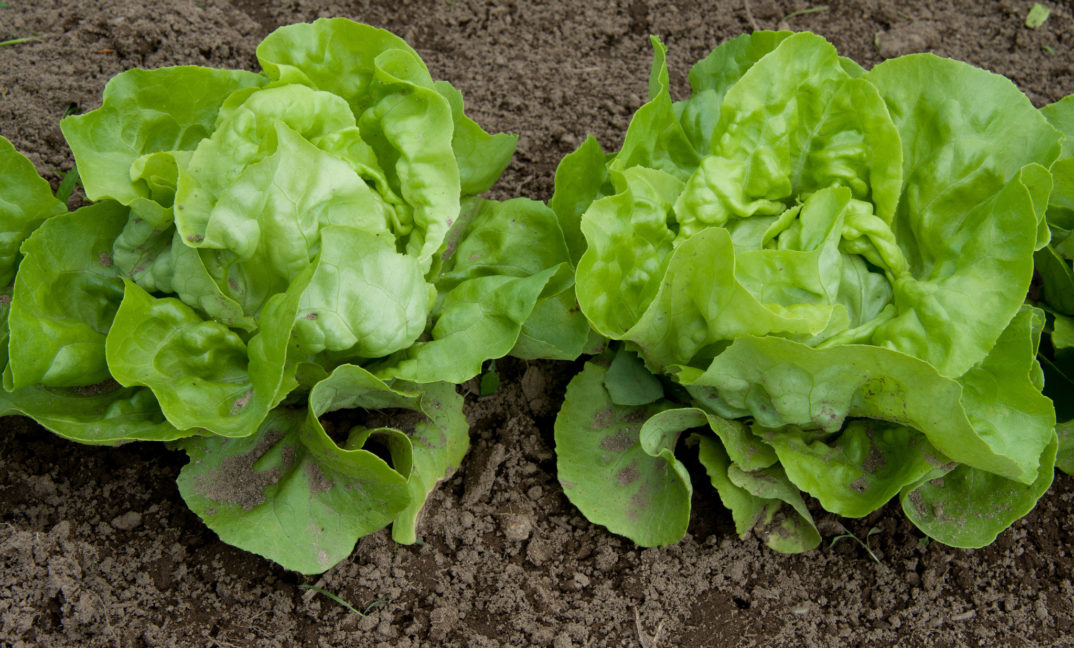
(128, 521)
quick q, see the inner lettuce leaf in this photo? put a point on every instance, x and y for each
(833, 263)
(272, 254)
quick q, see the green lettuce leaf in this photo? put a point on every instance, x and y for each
(759, 499)
(184, 359)
(496, 238)
(620, 474)
(144, 112)
(279, 492)
(25, 202)
(102, 414)
(968, 215)
(66, 293)
(967, 507)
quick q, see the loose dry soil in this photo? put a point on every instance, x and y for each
(97, 548)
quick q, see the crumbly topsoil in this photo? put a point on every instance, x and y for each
(97, 548)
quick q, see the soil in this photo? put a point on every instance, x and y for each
(98, 549)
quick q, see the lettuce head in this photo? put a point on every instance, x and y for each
(815, 277)
(283, 273)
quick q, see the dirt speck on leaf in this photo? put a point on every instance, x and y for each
(236, 481)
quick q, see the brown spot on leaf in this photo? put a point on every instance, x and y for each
(241, 402)
(318, 481)
(603, 419)
(617, 442)
(639, 503)
(876, 461)
(628, 475)
(105, 260)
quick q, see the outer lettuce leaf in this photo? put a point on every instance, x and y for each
(757, 500)
(438, 445)
(482, 157)
(479, 320)
(279, 493)
(556, 329)
(966, 507)
(857, 471)
(629, 383)
(615, 441)
(496, 238)
(780, 382)
(101, 414)
(25, 202)
(655, 138)
(581, 179)
(66, 293)
(618, 474)
(96, 414)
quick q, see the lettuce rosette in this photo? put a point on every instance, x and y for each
(284, 274)
(815, 278)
